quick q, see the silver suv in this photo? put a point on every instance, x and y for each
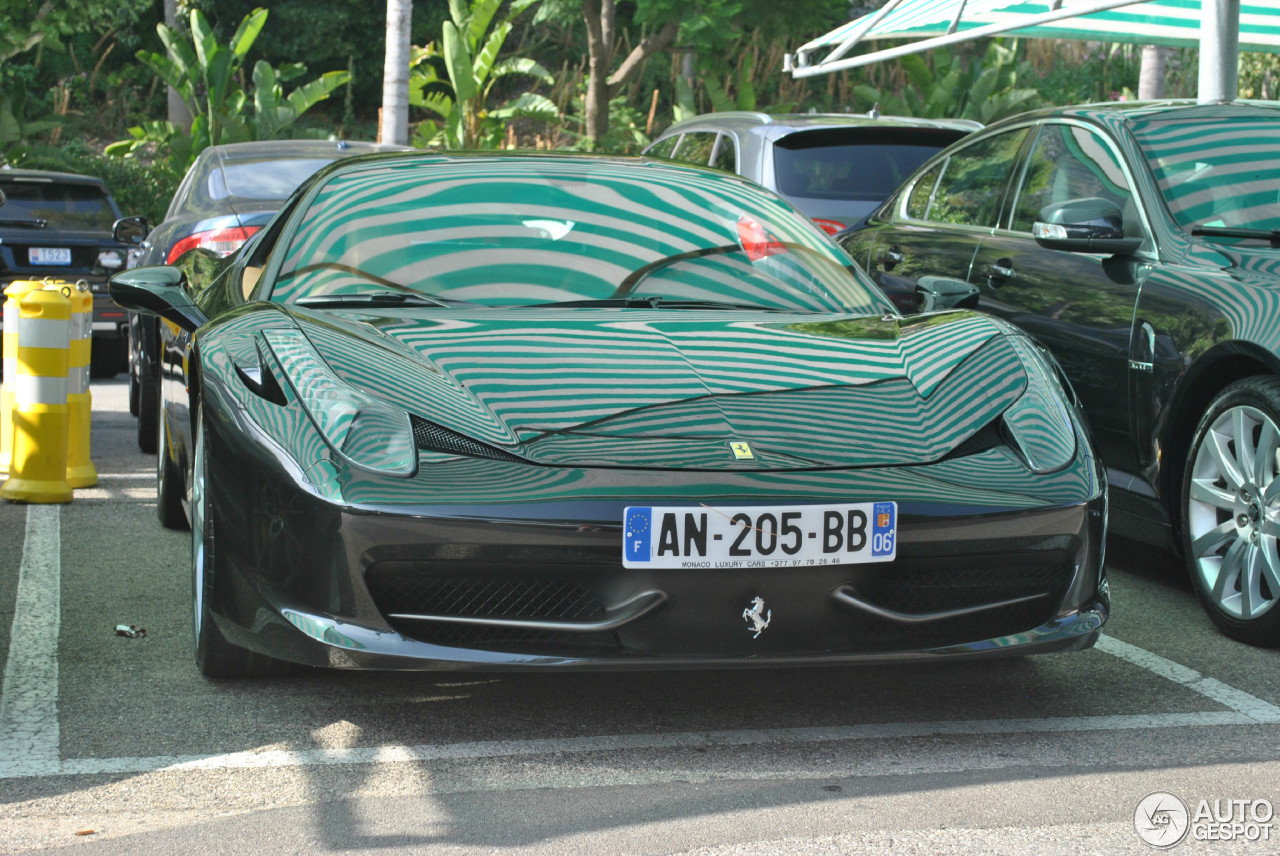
(835, 167)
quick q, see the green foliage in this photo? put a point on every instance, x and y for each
(626, 134)
(1078, 72)
(16, 130)
(984, 88)
(470, 60)
(28, 24)
(207, 75)
(138, 187)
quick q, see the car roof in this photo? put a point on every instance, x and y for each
(274, 149)
(582, 160)
(746, 120)
(10, 174)
(1126, 112)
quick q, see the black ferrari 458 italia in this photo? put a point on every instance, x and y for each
(566, 411)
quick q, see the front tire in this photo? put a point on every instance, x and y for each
(215, 656)
(1231, 506)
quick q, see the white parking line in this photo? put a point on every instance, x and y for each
(1251, 706)
(29, 735)
(29, 738)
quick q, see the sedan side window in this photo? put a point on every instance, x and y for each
(663, 148)
(972, 184)
(1071, 162)
(696, 147)
(726, 154)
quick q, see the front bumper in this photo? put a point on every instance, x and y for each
(537, 581)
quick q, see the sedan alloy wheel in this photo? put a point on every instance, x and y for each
(1232, 502)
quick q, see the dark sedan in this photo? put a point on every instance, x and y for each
(230, 192)
(558, 411)
(1139, 244)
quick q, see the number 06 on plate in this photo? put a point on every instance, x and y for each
(768, 536)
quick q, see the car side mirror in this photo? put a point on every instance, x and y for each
(944, 292)
(130, 230)
(157, 290)
(1088, 225)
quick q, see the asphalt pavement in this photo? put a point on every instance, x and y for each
(117, 744)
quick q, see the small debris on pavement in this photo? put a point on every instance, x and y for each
(130, 630)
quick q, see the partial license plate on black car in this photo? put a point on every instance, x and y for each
(775, 536)
(49, 255)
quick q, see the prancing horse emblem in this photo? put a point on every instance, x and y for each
(758, 616)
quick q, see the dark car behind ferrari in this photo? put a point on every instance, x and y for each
(1138, 243)
(61, 225)
(230, 192)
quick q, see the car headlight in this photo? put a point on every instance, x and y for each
(367, 432)
(1039, 423)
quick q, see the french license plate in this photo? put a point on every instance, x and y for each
(49, 255)
(776, 536)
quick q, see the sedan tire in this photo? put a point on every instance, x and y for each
(1231, 503)
(133, 388)
(168, 478)
(148, 410)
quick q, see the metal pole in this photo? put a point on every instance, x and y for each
(1219, 50)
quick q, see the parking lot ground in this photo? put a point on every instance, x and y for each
(1047, 754)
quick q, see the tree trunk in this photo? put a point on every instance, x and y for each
(393, 125)
(600, 20)
(601, 86)
(178, 113)
(1151, 75)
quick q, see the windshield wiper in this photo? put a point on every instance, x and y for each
(33, 223)
(653, 301)
(377, 298)
(1272, 235)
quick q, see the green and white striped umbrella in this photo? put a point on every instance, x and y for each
(1149, 22)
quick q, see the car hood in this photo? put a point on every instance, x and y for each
(677, 389)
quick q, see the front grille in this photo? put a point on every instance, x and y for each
(411, 591)
(936, 590)
(435, 438)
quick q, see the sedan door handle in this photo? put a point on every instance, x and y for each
(889, 258)
(998, 274)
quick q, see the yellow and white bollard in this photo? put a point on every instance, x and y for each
(38, 467)
(13, 295)
(80, 469)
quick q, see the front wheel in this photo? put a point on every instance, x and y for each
(215, 656)
(1231, 503)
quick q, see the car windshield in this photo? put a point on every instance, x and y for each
(526, 232)
(65, 206)
(1220, 173)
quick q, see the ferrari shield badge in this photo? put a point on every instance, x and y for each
(757, 617)
(742, 451)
